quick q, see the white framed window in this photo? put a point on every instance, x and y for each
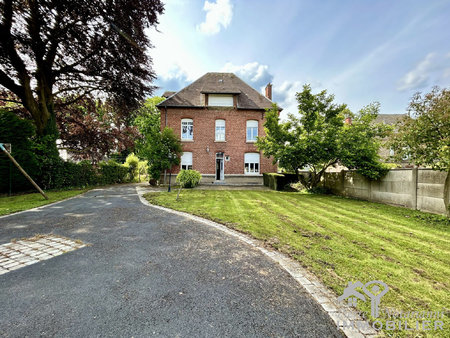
(252, 130)
(251, 163)
(187, 129)
(220, 130)
(220, 100)
(186, 161)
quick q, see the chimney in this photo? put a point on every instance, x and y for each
(348, 120)
(269, 91)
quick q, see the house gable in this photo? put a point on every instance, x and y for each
(211, 86)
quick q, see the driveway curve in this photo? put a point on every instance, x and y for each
(147, 272)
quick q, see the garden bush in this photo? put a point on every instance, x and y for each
(274, 181)
(189, 178)
(22, 150)
(112, 172)
(49, 173)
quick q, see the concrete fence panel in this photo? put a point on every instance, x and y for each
(430, 191)
(420, 189)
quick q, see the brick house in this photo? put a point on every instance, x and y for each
(218, 118)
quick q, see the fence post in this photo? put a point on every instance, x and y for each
(414, 186)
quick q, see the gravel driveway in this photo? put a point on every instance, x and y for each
(146, 272)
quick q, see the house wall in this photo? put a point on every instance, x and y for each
(204, 147)
(420, 189)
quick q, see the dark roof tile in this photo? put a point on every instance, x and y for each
(389, 118)
(218, 83)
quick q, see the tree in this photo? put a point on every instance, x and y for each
(163, 152)
(91, 130)
(60, 47)
(132, 163)
(424, 134)
(142, 169)
(161, 149)
(319, 138)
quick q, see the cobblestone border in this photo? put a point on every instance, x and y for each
(27, 251)
(338, 312)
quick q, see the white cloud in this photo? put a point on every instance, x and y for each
(173, 80)
(258, 76)
(218, 14)
(284, 95)
(419, 76)
(434, 69)
(253, 73)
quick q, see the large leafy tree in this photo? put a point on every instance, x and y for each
(91, 130)
(59, 47)
(319, 138)
(161, 148)
(424, 134)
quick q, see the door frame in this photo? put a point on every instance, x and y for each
(220, 161)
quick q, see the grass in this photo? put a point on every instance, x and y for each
(342, 240)
(9, 205)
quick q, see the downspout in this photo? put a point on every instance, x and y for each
(165, 117)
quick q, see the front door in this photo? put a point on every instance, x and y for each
(219, 167)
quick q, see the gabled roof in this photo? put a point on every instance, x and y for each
(389, 118)
(218, 83)
(168, 93)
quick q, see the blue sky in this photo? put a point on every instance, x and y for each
(360, 51)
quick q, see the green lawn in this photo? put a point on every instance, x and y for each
(12, 204)
(341, 240)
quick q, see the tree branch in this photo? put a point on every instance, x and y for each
(8, 83)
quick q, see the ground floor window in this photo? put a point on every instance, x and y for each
(186, 161)
(251, 163)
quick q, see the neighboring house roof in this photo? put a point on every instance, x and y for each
(218, 83)
(168, 93)
(390, 119)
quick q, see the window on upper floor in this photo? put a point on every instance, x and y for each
(187, 129)
(220, 100)
(251, 163)
(252, 130)
(220, 130)
(186, 161)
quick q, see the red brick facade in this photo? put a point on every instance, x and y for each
(204, 147)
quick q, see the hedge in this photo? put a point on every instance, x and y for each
(18, 132)
(82, 174)
(53, 174)
(277, 181)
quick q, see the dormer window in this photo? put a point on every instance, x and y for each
(220, 100)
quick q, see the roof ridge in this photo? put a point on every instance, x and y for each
(181, 90)
(218, 82)
(260, 94)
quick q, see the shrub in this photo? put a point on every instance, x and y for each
(112, 172)
(189, 178)
(18, 132)
(132, 163)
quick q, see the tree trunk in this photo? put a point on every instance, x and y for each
(47, 151)
(304, 181)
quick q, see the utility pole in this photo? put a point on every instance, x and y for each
(23, 171)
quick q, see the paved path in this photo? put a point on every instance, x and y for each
(147, 273)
